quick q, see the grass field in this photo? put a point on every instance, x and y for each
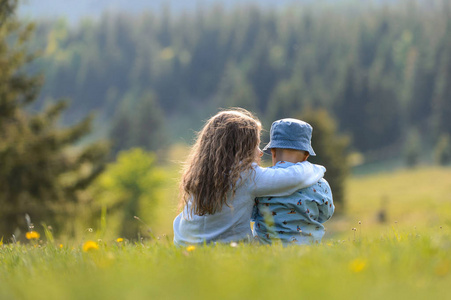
(407, 257)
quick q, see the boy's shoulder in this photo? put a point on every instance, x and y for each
(322, 186)
(322, 183)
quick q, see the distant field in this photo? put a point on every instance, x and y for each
(418, 198)
(408, 257)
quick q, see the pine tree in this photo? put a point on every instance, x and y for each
(287, 98)
(368, 111)
(139, 124)
(443, 150)
(41, 171)
(235, 91)
(442, 99)
(412, 148)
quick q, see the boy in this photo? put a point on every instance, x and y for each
(296, 218)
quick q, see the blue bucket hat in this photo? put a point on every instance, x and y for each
(290, 134)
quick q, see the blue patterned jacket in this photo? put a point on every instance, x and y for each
(296, 218)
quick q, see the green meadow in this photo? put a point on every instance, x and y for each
(363, 256)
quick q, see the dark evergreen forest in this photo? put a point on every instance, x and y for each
(382, 71)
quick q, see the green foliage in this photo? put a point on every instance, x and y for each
(127, 186)
(286, 99)
(330, 150)
(7, 7)
(443, 151)
(235, 91)
(41, 172)
(367, 111)
(442, 91)
(139, 124)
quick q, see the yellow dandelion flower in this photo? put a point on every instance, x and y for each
(32, 235)
(90, 245)
(119, 240)
(357, 265)
(190, 248)
(61, 246)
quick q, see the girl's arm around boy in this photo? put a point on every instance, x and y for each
(284, 182)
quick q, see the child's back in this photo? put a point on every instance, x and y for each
(296, 218)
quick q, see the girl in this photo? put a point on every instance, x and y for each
(222, 178)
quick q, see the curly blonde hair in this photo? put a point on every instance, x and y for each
(225, 148)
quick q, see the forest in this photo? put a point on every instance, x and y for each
(381, 71)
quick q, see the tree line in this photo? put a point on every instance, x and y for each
(381, 71)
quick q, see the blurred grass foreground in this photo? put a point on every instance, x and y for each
(399, 265)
